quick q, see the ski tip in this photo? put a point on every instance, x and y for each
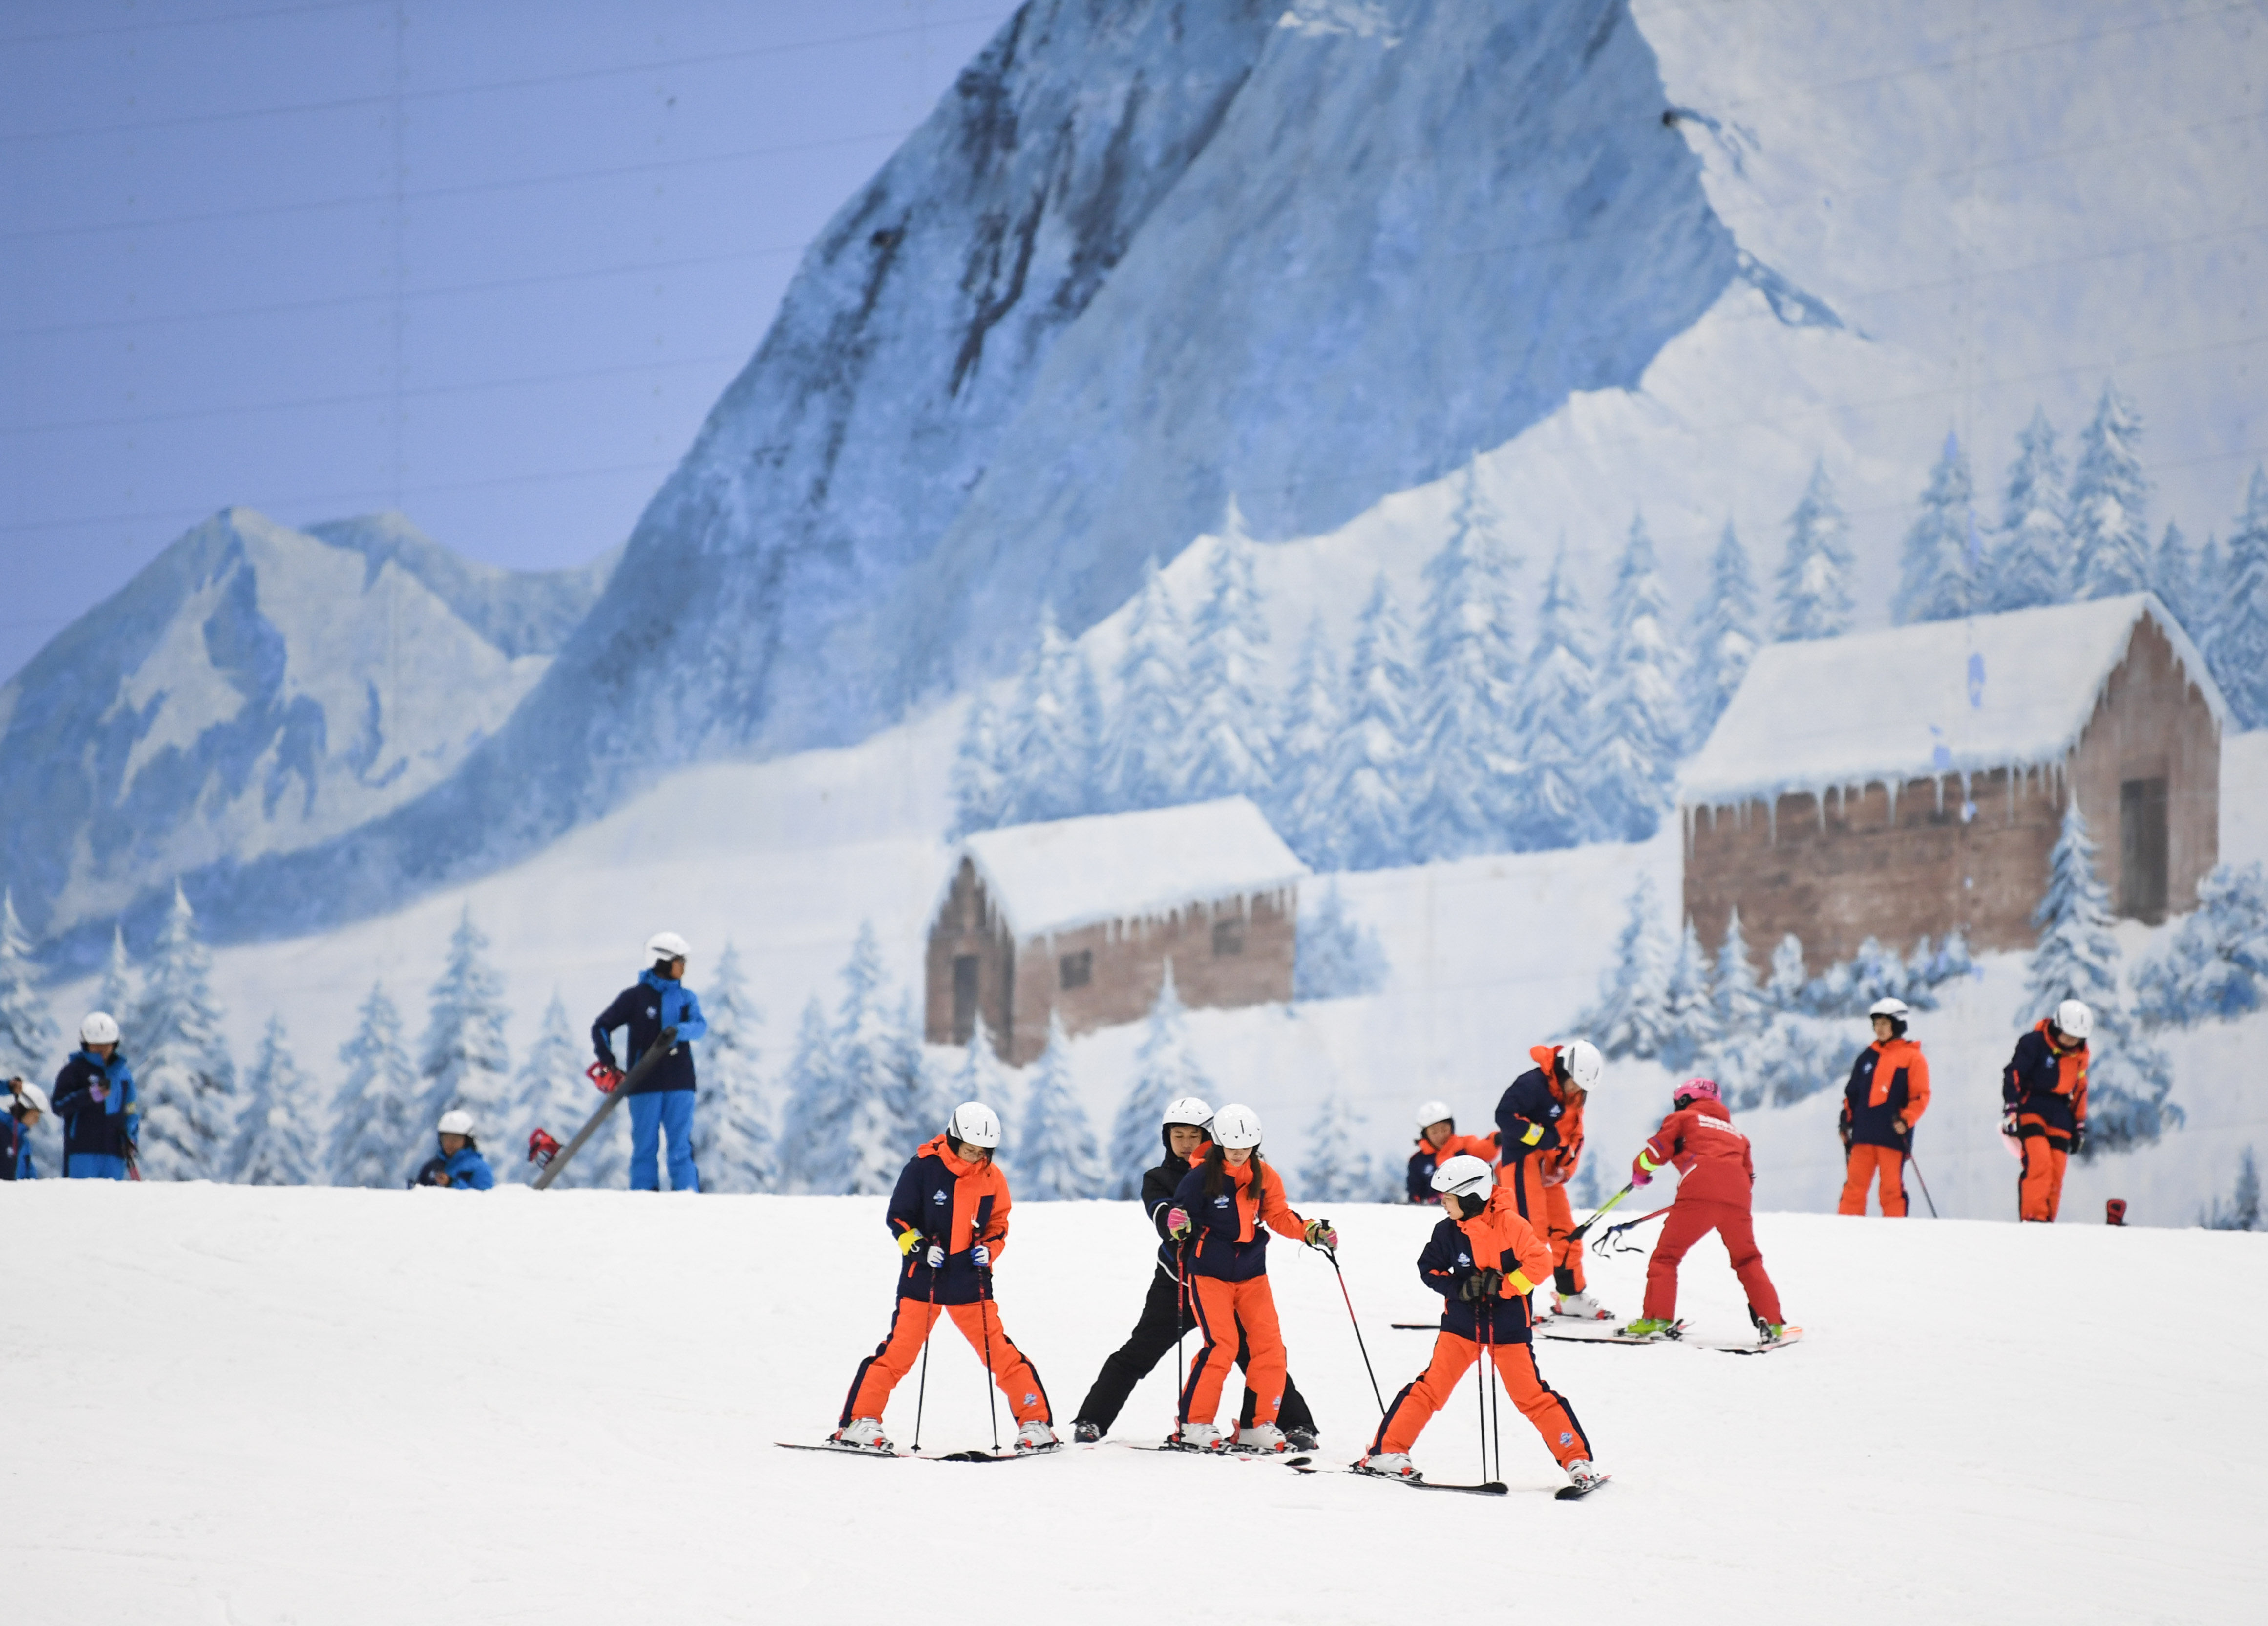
(1576, 1493)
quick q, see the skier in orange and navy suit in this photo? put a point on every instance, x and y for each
(1540, 1111)
(949, 1217)
(1571, 1295)
(1887, 1093)
(2043, 1105)
(1485, 1260)
(1438, 1142)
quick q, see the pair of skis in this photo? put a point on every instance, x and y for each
(971, 1455)
(1605, 1332)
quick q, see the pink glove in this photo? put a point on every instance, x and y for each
(1639, 1175)
(1177, 1222)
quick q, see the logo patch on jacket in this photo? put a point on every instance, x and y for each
(1221, 1202)
(1464, 1259)
(936, 1196)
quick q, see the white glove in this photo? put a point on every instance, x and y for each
(936, 1257)
(982, 1255)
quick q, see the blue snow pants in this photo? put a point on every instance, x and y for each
(93, 1166)
(665, 1111)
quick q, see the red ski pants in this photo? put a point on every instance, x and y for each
(1453, 1356)
(880, 1372)
(1222, 1307)
(1860, 1171)
(1559, 1229)
(1691, 1220)
(2039, 1194)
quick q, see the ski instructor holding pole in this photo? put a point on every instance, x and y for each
(661, 1102)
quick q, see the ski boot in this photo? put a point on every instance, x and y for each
(861, 1434)
(1198, 1436)
(1299, 1439)
(1584, 1477)
(1387, 1465)
(1264, 1438)
(1036, 1435)
(1085, 1432)
(1580, 1306)
(1650, 1327)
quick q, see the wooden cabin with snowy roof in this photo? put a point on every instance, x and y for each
(1909, 783)
(1078, 918)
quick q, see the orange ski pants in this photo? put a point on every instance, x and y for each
(1864, 1163)
(1452, 1354)
(881, 1372)
(2039, 1194)
(1222, 1307)
(1690, 1220)
(1558, 1230)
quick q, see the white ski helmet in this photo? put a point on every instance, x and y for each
(1895, 1009)
(33, 1096)
(456, 1120)
(1584, 1066)
(666, 946)
(1236, 1125)
(1465, 1175)
(975, 1123)
(2074, 1019)
(1187, 1111)
(100, 1028)
(1431, 1112)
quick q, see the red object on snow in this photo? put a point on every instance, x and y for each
(603, 1077)
(2114, 1212)
(541, 1149)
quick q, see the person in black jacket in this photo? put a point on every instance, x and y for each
(1166, 1313)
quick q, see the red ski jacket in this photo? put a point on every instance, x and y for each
(1712, 1157)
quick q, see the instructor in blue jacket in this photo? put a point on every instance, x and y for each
(662, 1103)
(95, 1098)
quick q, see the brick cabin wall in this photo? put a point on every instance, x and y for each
(967, 924)
(1859, 867)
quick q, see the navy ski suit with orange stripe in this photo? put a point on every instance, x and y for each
(1498, 1239)
(2046, 1089)
(956, 1205)
(1887, 1093)
(1539, 1130)
(1228, 1275)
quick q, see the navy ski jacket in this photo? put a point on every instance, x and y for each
(646, 1007)
(107, 1128)
(1445, 1266)
(1528, 1116)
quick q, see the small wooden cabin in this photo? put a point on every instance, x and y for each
(1079, 918)
(1908, 783)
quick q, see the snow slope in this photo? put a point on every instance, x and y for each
(266, 1405)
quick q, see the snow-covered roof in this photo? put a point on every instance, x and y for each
(2014, 690)
(1073, 872)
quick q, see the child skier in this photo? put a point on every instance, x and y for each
(1165, 1315)
(2043, 1105)
(1438, 1142)
(460, 1167)
(1713, 1194)
(95, 1098)
(1887, 1093)
(27, 1104)
(1220, 1209)
(949, 1218)
(1484, 1260)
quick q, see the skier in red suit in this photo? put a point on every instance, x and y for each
(1714, 1190)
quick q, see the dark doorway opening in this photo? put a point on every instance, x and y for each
(964, 997)
(2142, 849)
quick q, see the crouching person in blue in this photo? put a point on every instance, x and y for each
(94, 1098)
(459, 1166)
(27, 1105)
(662, 1101)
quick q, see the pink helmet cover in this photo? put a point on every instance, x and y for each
(1695, 1089)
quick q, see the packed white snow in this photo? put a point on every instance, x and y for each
(263, 1406)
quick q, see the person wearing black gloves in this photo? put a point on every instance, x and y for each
(1166, 1314)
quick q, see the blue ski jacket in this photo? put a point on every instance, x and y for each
(646, 1007)
(105, 1128)
(16, 1155)
(468, 1170)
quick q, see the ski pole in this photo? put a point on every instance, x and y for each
(1376, 1394)
(1181, 1327)
(991, 1411)
(1612, 1233)
(1495, 1400)
(1578, 1234)
(921, 1395)
(1925, 1197)
(1480, 1395)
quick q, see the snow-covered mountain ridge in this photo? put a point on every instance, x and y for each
(254, 690)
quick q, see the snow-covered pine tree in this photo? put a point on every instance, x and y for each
(1163, 1072)
(463, 1060)
(2173, 577)
(1632, 1016)
(1232, 725)
(1143, 740)
(2243, 1210)
(1299, 804)
(1335, 956)
(1639, 724)
(275, 1142)
(2078, 957)
(979, 1077)
(1370, 761)
(2239, 629)
(2216, 965)
(1051, 1152)
(2110, 545)
(1338, 1167)
(2031, 565)
(732, 1144)
(1724, 635)
(376, 1137)
(875, 1096)
(979, 785)
(115, 992)
(926, 1097)
(811, 1146)
(1553, 723)
(1813, 589)
(29, 1043)
(1692, 1027)
(1938, 573)
(1046, 745)
(1784, 989)
(181, 1065)
(1742, 1007)
(1465, 757)
(2209, 579)
(548, 1092)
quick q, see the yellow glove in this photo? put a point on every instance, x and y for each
(909, 1239)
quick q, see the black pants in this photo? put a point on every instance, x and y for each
(1155, 1333)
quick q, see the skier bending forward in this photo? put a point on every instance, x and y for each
(949, 1217)
(1485, 1260)
(1714, 1193)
